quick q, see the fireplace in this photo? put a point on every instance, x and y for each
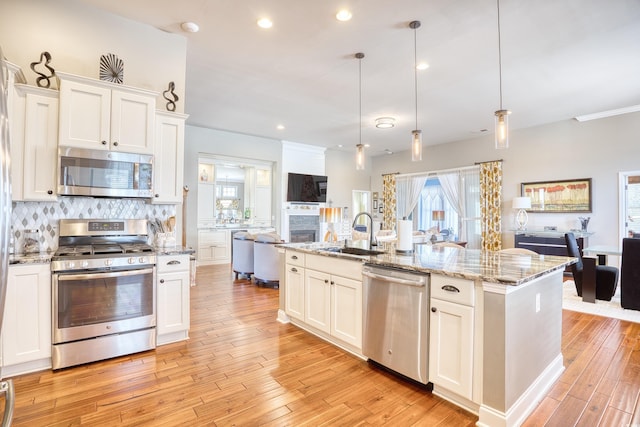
(301, 236)
(303, 228)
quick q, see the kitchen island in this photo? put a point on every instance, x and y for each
(503, 351)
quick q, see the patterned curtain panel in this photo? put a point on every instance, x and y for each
(389, 202)
(491, 205)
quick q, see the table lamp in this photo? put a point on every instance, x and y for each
(521, 204)
(437, 216)
(330, 216)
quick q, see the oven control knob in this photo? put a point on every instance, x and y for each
(71, 265)
(132, 260)
(85, 264)
(142, 260)
(108, 262)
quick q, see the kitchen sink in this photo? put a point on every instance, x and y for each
(354, 251)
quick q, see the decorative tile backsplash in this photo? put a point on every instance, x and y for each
(44, 216)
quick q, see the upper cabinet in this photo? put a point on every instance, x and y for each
(168, 157)
(106, 116)
(34, 143)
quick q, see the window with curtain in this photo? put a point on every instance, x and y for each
(457, 194)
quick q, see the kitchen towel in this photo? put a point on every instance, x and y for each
(405, 235)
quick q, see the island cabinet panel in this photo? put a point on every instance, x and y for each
(26, 329)
(332, 295)
(451, 334)
(173, 292)
(294, 285)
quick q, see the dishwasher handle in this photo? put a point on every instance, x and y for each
(422, 281)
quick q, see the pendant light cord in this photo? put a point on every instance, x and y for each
(415, 69)
(360, 94)
(499, 55)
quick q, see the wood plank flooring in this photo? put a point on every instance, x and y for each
(241, 367)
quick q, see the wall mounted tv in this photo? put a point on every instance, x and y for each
(306, 188)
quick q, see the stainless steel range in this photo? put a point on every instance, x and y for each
(104, 294)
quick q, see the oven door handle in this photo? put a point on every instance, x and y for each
(83, 276)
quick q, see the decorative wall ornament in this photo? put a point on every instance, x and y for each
(44, 80)
(171, 96)
(111, 68)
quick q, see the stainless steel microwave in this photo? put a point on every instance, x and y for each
(103, 173)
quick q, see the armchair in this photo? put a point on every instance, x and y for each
(606, 276)
(630, 274)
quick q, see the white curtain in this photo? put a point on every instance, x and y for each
(408, 189)
(450, 183)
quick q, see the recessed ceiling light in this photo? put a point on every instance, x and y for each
(339, 145)
(422, 66)
(190, 27)
(280, 127)
(387, 151)
(343, 15)
(367, 145)
(385, 122)
(265, 23)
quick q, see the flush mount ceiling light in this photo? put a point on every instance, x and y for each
(385, 122)
(265, 23)
(190, 27)
(416, 134)
(343, 15)
(280, 127)
(422, 66)
(360, 147)
(502, 115)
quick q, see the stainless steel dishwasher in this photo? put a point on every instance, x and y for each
(396, 320)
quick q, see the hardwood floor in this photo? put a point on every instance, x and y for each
(242, 367)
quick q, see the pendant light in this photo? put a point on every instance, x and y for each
(416, 134)
(360, 146)
(502, 115)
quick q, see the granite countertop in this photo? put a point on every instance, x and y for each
(173, 250)
(35, 258)
(488, 266)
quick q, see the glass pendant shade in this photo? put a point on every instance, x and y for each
(416, 145)
(502, 129)
(360, 157)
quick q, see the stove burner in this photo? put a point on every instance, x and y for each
(107, 248)
(74, 250)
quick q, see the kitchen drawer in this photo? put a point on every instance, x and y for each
(335, 266)
(212, 237)
(453, 289)
(171, 263)
(295, 258)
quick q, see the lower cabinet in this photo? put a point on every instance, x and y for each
(26, 329)
(214, 247)
(333, 301)
(294, 280)
(173, 293)
(451, 334)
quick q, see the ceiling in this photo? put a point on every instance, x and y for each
(560, 59)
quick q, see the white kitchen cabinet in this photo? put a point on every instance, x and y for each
(37, 169)
(168, 157)
(105, 116)
(333, 298)
(294, 285)
(451, 334)
(173, 293)
(262, 203)
(214, 247)
(26, 329)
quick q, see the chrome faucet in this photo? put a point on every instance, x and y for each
(372, 243)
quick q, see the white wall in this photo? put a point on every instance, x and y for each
(597, 149)
(76, 35)
(200, 140)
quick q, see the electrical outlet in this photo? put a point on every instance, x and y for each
(537, 303)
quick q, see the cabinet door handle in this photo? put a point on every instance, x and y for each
(115, 143)
(173, 262)
(103, 142)
(157, 195)
(326, 281)
(333, 283)
(433, 309)
(50, 192)
(294, 257)
(294, 270)
(161, 280)
(450, 288)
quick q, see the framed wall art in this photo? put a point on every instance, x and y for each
(559, 196)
